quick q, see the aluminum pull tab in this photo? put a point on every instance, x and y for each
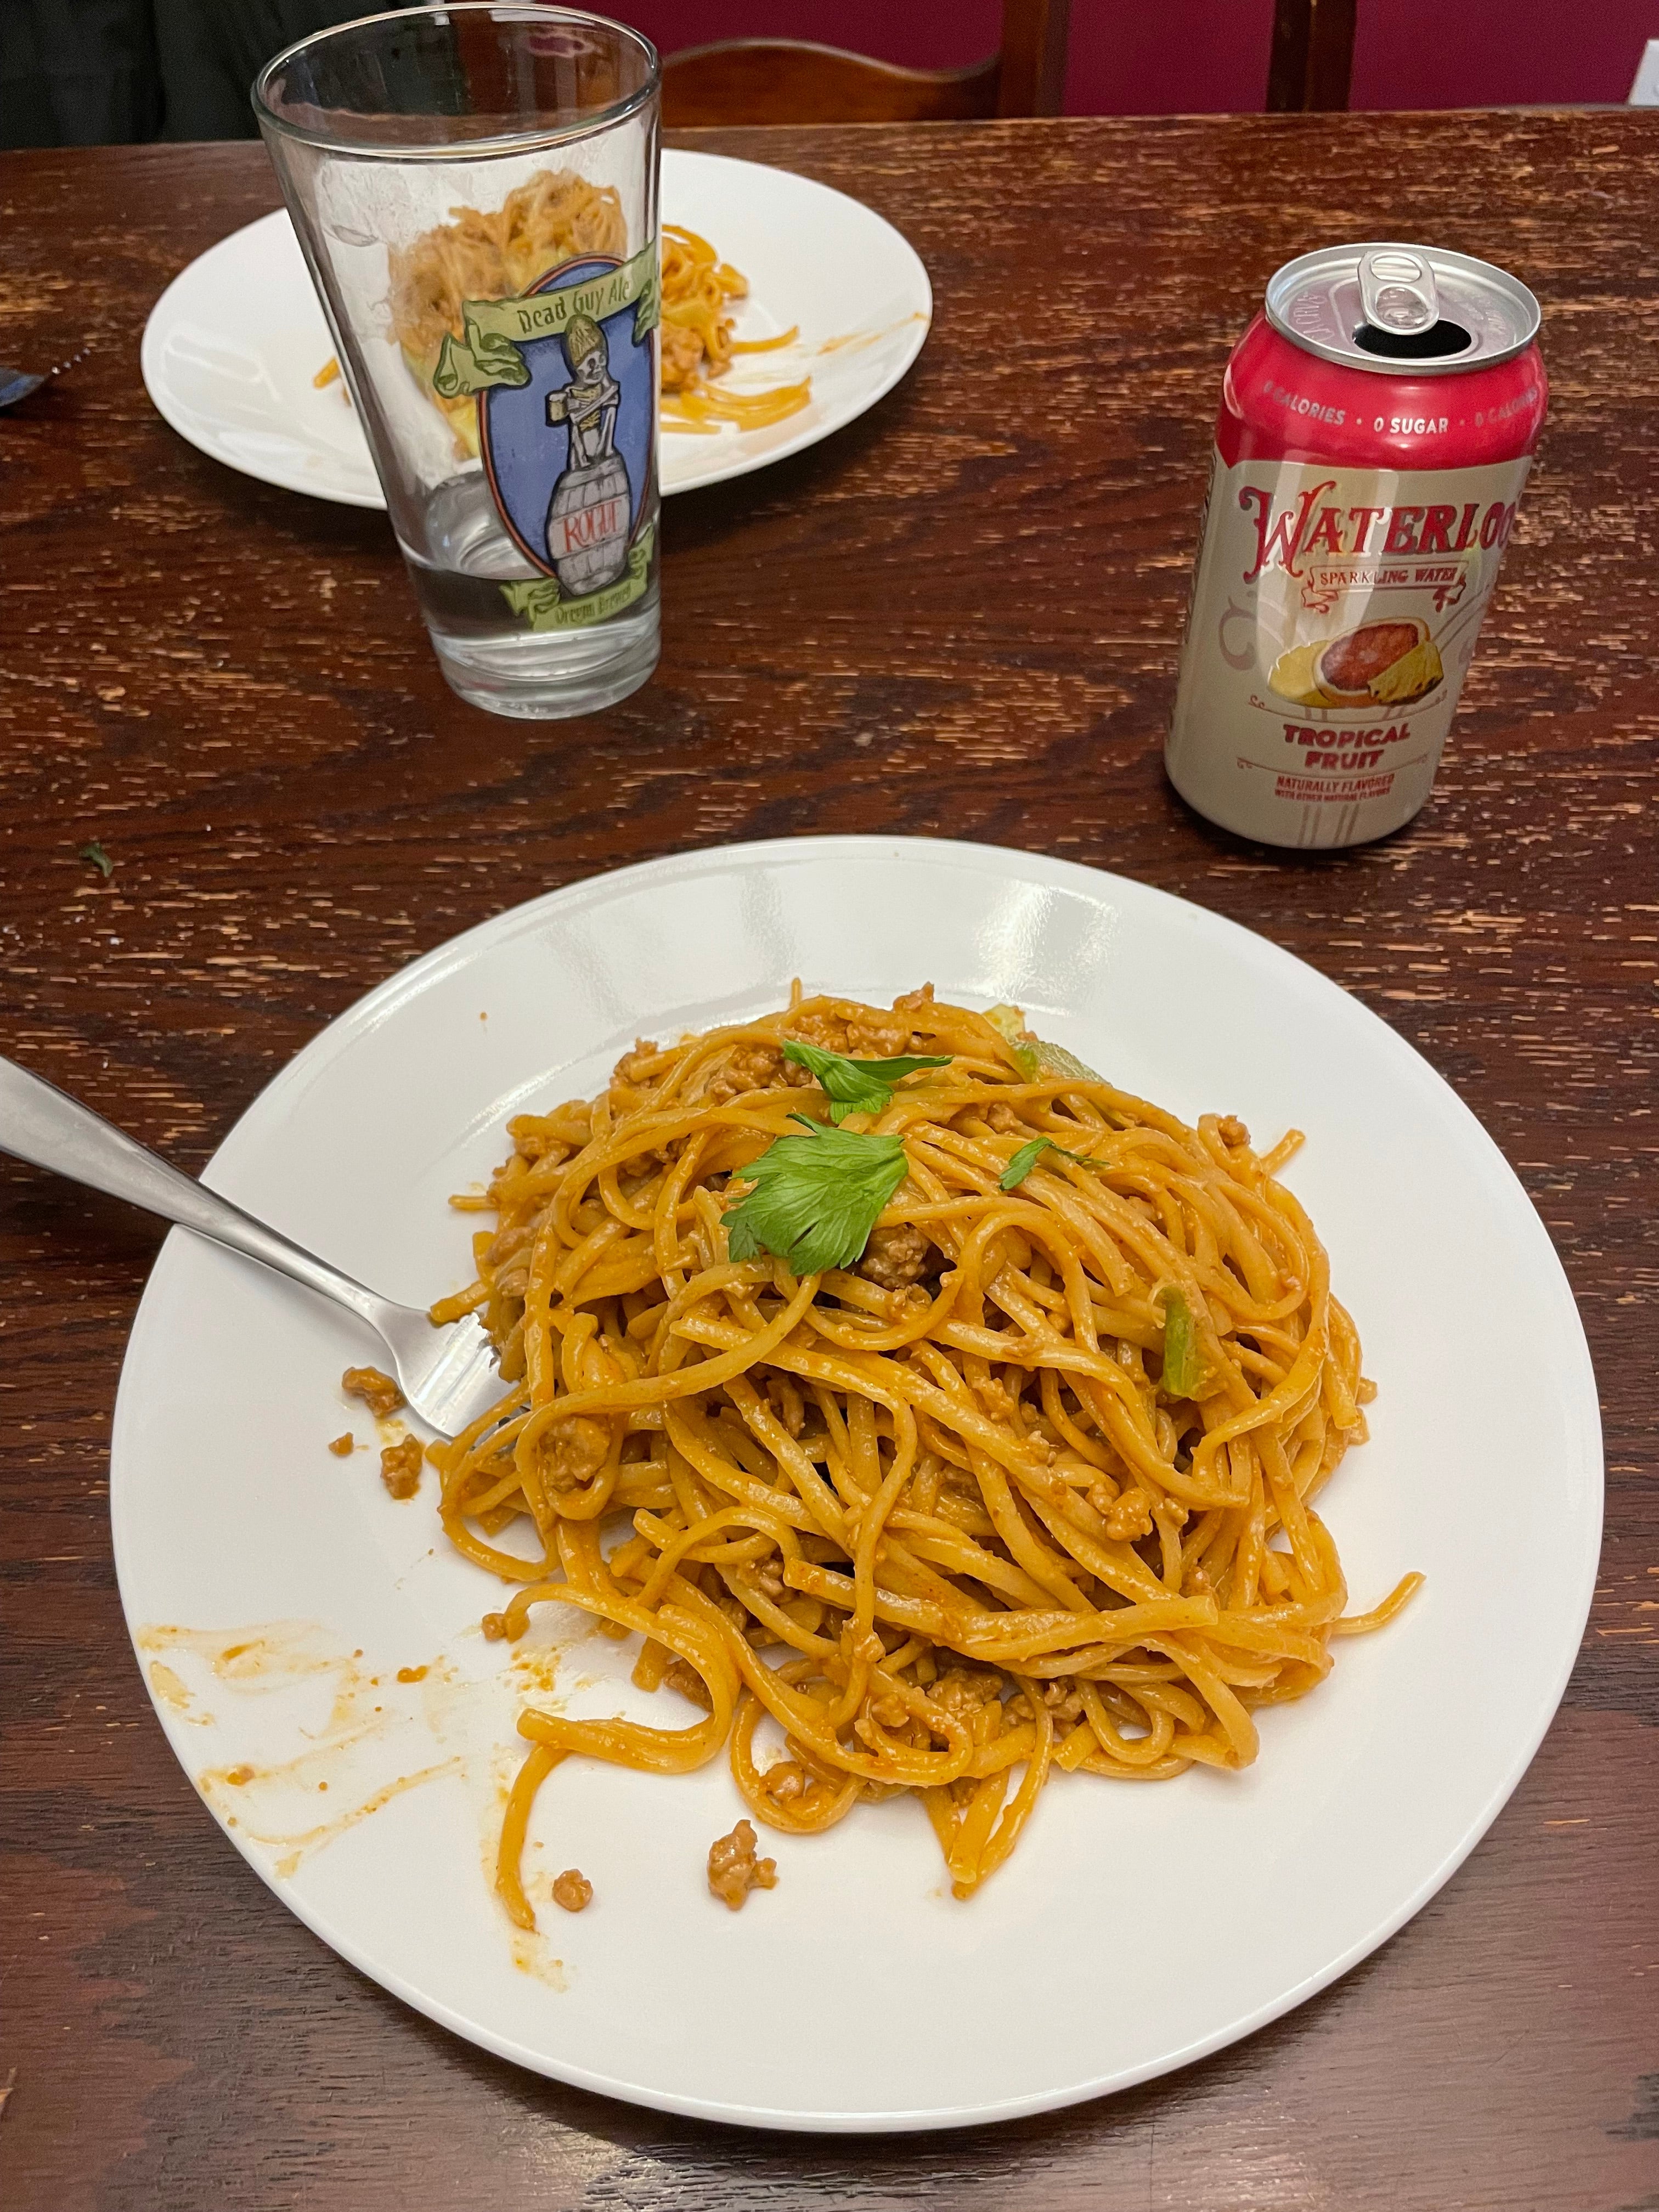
(1397, 290)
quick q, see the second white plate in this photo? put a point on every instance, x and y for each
(232, 345)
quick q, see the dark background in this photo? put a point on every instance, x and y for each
(87, 72)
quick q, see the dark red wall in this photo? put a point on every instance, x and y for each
(1498, 53)
(1162, 56)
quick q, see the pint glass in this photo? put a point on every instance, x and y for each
(475, 190)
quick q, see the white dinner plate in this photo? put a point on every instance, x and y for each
(274, 1592)
(232, 345)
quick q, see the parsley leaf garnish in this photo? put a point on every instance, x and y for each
(99, 859)
(1034, 1056)
(1028, 1155)
(857, 1086)
(1183, 1371)
(815, 1199)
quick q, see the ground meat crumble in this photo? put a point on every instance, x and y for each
(578, 1451)
(754, 1066)
(733, 1868)
(1128, 1517)
(573, 1890)
(894, 1258)
(682, 352)
(680, 1675)
(378, 1392)
(400, 1467)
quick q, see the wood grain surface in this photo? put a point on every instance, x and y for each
(959, 616)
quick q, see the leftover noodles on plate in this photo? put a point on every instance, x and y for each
(554, 218)
(914, 1393)
(698, 345)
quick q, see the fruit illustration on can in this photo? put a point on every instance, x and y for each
(1379, 664)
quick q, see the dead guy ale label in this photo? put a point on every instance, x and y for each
(1333, 616)
(566, 381)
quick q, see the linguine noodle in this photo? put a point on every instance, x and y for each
(941, 1515)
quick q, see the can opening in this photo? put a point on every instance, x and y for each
(1440, 339)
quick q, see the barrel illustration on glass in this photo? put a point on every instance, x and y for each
(588, 515)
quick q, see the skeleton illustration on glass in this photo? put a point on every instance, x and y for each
(588, 515)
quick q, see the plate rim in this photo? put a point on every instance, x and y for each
(151, 346)
(385, 996)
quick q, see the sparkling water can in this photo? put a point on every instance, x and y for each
(1377, 425)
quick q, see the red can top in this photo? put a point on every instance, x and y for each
(1387, 355)
(1279, 402)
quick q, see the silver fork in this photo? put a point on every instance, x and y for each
(17, 384)
(448, 1375)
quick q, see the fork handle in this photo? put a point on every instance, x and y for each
(45, 1126)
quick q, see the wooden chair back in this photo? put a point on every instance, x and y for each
(1310, 63)
(791, 80)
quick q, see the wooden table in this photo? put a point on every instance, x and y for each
(959, 616)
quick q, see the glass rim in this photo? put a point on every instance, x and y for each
(530, 139)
